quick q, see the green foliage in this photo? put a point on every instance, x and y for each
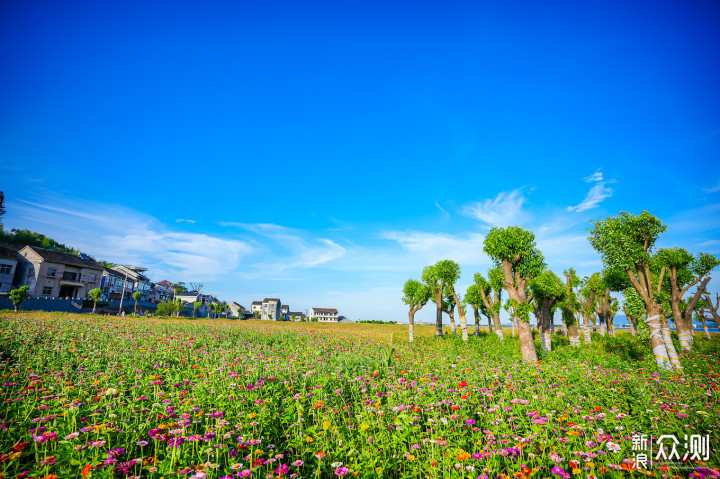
(472, 296)
(626, 240)
(516, 246)
(519, 310)
(196, 305)
(415, 293)
(17, 296)
(31, 238)
(497, 278)
(136, 296)
(95, 294)
(445, 272)
(547, 285)
(615, 279)
(180, 288)
(167, 308)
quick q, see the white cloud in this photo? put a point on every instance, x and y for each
(447, 215)
(597, 176)
(180, 220)
(713, 189)
(504, 210)
(427, 248)
(596, 195)
(121, 235)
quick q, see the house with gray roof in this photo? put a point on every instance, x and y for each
(8, 265)
(49, 273)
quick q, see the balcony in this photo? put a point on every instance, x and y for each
(64, 282)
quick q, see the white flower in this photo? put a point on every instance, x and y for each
(613, 447)
(336, 464)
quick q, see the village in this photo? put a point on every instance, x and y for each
(62, 281)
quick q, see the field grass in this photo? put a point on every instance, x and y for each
(101, 397)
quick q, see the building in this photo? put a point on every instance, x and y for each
(256, 306)
(113, 285)
(192, 297)
(51, 274)
(324, 315)
(296, 316)
(285, 312)
(271, 309)
(8, 265)
(236, 309)
(162, 292)
(140, 282)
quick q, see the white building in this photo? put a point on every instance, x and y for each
(271, 309)
(324, 315)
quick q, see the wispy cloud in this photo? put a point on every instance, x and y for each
(596, 195)
(447, 215)
(129, 237)
(427, 248)
(505, 209)
(180, 220)
(302, 253)
(713, 189)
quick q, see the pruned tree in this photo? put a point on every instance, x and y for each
(196, 287)
(136, 296)
(586, 295)
(514, 249)
(634, 309)
(415, 295)
(703, 314)
(17, 296)
(683, 272)
(473, 299)
(95, 294)
(570, 306)
(436, 277)
(196, 305)
(491, 292)
(712, 309)
(625, 241)
(548, 290)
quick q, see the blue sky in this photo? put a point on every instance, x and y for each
(324, 153)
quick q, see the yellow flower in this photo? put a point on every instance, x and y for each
(259, 452)
(326, 425)
(364, 427)
(576, 472)
(410, 457)
(309, 439)
(252, 415)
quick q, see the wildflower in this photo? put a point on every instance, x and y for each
(282, 469)
(298, 463)
(342, 471)
(613, 446)
(320, 454)
(470, 422)
(463, 456)
(72, 435)
(86, 470)
(364, 427)
(48, 461)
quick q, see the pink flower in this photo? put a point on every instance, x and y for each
(342, 471)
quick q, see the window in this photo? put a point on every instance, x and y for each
(51, 271)
(47, 290)
(91, 278)
(5, 268)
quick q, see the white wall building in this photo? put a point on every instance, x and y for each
(324, 315)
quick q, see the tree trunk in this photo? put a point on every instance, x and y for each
(461, 312)
(411, 324)
(574, 335)
(546, 316)
(438, 316)
(451, 313)
(667, 339)
(564, 326)
(705, 328)
(602, 319)
(476, 311)
(527, 346)
(498, 326)
(611, 326)
(94, 305)
(656, 337)
(586, 328)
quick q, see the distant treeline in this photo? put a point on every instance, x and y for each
(373, 321)
(31, 238)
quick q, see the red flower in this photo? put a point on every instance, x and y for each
(433, 463)
(20, 446)
(462, 384)
(86, 470)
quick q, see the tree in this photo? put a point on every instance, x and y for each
(415, 295)
(196, 287)
(548, 290)
(703, 314)
(587, 289)
(492, 303)
(95, 294)
(634, 308)
(474, 299)
(625, 242)
(180, 288)
(513, 249)
(179, 306)
(684, 272)
(711, 309)
(17, 296)
(256, 313)
(196, 305)
(136, 297)
(570, 306)
(436, 277)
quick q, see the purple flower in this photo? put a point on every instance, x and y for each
(298, 463)
(282, 469)
(142, 443)
(470, 422)
(560, 472)
(342, 471)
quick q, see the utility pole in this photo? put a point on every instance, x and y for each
(122, 295)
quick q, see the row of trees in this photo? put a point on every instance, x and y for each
(656, 287)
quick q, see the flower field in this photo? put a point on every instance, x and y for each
(92, 396)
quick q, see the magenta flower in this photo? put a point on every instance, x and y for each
(282, 469)
(342, 471)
